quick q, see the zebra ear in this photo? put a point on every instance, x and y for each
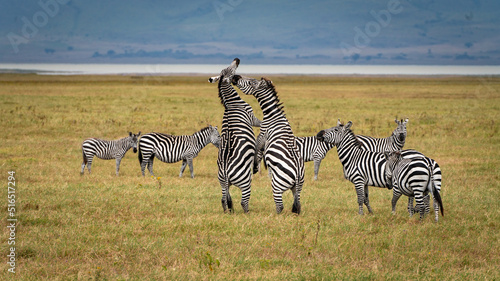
(129, 134)
(386, 155)
(406, 120)
(396, 120)
(348, 125)
(139, 133)
(338, 122)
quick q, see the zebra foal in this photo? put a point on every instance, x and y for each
(412, 177)
(107, 150)
(171, 149)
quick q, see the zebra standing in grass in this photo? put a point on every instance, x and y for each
(412, 177)
(107, 150)
(281, 153)
(237, 149)
(361, 167)
(171, 149)
(394, 142)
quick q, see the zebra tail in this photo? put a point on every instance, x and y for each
(437, 196)
(139, 154)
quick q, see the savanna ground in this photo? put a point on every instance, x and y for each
(130, 227)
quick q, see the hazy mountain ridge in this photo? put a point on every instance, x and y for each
(422, 32)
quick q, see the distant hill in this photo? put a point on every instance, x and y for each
(289, 32)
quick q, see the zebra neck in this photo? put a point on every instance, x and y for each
(123, 143)
(346, 148)
(271, 108)
(228, 96)
(200, 139)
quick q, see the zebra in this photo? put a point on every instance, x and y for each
(237, 148)
(412, 177)
(280, 149)
(107, 150)
(171, 149)
(394, 142)
(436, 176)
(361, 167)
(311, 150)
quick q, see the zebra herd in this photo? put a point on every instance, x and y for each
(366, 161)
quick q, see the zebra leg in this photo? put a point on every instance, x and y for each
(89, 163)
(420, 207)
(190, 164)
(411, 208)
(84, 163)
(226, 200)
(427, 203)
(118, 160)
(395, 198)
(367, 201)
(316, 168)
(245, 197)
(278, 199)
(183, 167)
(361, 196)
(150, 165)
(296, 200)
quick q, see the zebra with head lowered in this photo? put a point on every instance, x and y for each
(171, 149)
(107, 150)
(361, 167)
(281, 153)
(412, 177)
(237, 148)
(394, 142)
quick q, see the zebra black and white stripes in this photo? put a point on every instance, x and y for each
(237, 149)
(311, 149)
(107, 150)
(412, 177)
(281, 153)
(171, 149)
(361, 167)
(394, 142)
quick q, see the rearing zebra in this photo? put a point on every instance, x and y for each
(412, 177)
(281, 153)
(107, 150)
(171, 149)
(394, 142)
(361, 167)
(237, 149)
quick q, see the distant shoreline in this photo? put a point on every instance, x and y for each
(204, 69)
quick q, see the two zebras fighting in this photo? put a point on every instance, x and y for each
(366, 161)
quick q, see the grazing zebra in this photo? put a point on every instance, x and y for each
(280, 150)
(412, 177)
(171, 149)
(237, 148)
(361, 167)
(394, 142)
(107, 150)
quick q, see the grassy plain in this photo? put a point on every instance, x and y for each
(99, 226)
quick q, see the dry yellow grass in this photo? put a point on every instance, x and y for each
(101, 226)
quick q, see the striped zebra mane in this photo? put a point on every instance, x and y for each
(279, 104)
(357, 143)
